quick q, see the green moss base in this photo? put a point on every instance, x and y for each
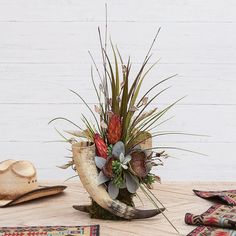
(95, 211)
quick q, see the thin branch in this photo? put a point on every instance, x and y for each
(153, 42)
(62, 118)
(176, 148)
(87, 107)
(90, 54)
(170, 77)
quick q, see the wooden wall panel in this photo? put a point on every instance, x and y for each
(44, 52)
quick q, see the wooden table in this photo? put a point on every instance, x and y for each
(176, 196)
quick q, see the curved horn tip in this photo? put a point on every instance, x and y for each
(141, 214)
(83, 208)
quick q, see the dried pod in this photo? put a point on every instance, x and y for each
(138, 163)
(107, 169)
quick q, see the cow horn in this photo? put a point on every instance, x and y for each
(83, 156)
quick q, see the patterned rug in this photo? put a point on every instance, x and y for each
(218, 215)
(221, 216)
(210, 231)
(92, 230)
(228, 196)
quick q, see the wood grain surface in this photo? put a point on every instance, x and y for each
(176, 196)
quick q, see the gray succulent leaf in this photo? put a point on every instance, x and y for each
(122, 157)
(102, 178)
(113, 190)
(118, 148)
(131, 182)
(100, 162)
(126, 160)
(124, 166)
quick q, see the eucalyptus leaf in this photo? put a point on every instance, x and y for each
(100, 162)
(131, 183)
(118, 148)
(113, 190)
(102, 178)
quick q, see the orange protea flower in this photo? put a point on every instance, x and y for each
(114, 129)
(101, 146)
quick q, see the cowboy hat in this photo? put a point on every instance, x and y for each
(18, 183)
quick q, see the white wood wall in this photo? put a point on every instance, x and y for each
(43, 53)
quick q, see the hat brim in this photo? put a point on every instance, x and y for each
(40, 192)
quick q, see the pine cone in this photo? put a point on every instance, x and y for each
(114, 129)
(101, 147)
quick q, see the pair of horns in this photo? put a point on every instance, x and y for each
(83, 155)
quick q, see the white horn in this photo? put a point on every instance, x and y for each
(83, 155)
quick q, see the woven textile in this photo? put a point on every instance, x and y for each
(228, 196)
(210, 231)
(221, 216)
(218, 215)
(92, 230)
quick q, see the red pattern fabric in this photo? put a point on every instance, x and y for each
(211, 231)
(218, 216)
(218, 220)
(227, 196)
(90, 230)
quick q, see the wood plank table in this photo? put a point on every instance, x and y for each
(176, 196)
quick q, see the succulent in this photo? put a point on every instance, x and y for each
(124, 160)
(115, 171)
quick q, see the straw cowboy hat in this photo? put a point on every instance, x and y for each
(18, 183)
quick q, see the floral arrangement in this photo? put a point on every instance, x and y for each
(122, 131)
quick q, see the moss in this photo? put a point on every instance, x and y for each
(98, 212)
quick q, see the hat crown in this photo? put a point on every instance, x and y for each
(24, 169)
(16, 178)
(6, 164)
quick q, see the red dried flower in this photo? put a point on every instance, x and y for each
(114, 129)
(101, 147)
